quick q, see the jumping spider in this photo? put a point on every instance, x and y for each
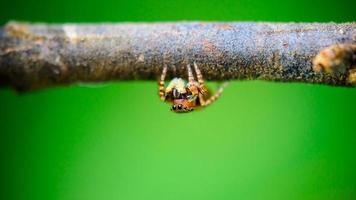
(186, 97)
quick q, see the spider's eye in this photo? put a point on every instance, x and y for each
(180, 106)
(174, 107)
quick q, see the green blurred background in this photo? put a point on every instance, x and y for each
(261, 140)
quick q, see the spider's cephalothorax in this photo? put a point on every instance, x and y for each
(186, 97)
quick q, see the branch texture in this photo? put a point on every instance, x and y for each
(39, 55)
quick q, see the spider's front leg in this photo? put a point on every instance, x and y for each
(202, 87)
(161, 89)
(214, 97)
(192, 85)
(203, 91)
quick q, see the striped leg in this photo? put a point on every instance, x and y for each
(201, 82)
(214, 97)
(190, 75)
(192, 84)
(162, 92)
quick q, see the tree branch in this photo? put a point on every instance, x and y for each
(39, 55)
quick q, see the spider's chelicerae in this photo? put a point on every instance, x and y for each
(187, 97)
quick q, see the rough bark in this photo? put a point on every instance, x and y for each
(33, 56)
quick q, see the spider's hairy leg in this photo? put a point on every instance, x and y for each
(190, 75)
(214, 97)
(192, 84)
(161, 89)
(201, 82)
(202, 99)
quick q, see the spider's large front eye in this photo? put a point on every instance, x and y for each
(174, 107)
(180, 106)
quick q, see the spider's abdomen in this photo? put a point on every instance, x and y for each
(178, 84)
